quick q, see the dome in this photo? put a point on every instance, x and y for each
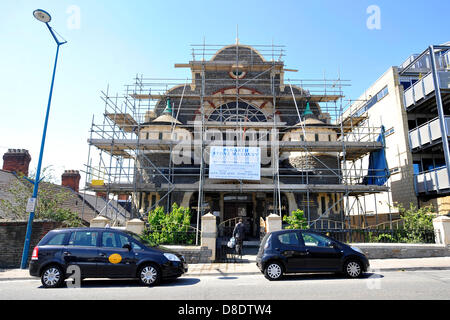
(246, 53)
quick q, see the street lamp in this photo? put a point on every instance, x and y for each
(44, 17)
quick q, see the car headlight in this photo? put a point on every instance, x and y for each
(171, 257)
(357, 250)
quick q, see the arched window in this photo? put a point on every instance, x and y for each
(240, 112)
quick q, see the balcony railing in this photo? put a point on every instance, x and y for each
(435, 180)
(427, 133)
(422, 88)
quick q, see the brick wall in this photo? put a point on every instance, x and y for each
(12, 238)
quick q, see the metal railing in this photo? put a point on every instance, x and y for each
(400, 235)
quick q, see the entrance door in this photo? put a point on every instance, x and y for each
(239, 206)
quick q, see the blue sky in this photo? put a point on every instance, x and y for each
(115, 40)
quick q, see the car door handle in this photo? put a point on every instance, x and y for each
(307, 251)
(101, 254)
(67, 253)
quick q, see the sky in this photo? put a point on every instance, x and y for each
(111, 41)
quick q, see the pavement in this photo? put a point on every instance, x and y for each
(247, 266)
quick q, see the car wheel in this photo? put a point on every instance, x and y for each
(52, 277)
(353, 269)
(273, 271)
(149, 275)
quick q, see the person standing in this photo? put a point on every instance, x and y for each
(238, 234)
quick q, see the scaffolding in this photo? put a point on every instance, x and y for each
(236, 95)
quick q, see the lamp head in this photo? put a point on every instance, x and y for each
(42, 15)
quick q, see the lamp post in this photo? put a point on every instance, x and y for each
(44, 17)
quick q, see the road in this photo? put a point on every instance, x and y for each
(399, 285)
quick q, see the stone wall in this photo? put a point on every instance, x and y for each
(12, 238)
(193, 254)
(402, 250)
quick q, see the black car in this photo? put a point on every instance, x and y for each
(102, 253)
(296, 251)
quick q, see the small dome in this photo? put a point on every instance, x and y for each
(166, 119)
(310, 122)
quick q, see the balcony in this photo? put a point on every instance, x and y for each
(424, 87)
(432, 181)
(427, 134)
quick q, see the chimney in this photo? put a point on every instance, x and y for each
(17, 160)
(71, 179)
(123, 197)
(100, 194)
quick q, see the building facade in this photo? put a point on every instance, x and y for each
(236, 97)
(404, 100)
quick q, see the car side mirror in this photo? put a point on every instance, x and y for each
(128, 246)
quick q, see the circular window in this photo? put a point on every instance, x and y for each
(240, 112)
(237, 73)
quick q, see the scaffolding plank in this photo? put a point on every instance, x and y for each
(286, 97)
(349, 123)
(352, 190)
(354, 149)
(123, 120)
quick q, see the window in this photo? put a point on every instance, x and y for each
(372, 101)
(57, 240)
(160, 136)
(316, 137)
(394, 170)
(323, 204)
(389, 132)
(290, 238)
(122, 240)
(83, 239)
(109, 240)
(135, 246)
(244, 112)
(315, 240)
(237, 73)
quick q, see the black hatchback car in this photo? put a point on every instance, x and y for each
(102, 253)
(297, 251)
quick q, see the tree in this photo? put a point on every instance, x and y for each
(50, 201)
(296, 220)
(417, 222)
(169, 228)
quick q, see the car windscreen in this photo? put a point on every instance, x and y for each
(263, 243)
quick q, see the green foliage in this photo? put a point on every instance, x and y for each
(50, 202)
(383, 238)
(296, 220)
(169, 228)
(417, 227)
(417, 222)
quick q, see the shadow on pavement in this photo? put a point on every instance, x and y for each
(328, 276)
(127, 283)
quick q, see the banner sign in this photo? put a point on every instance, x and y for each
(242, 163)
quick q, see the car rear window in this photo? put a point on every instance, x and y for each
(56, 240)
